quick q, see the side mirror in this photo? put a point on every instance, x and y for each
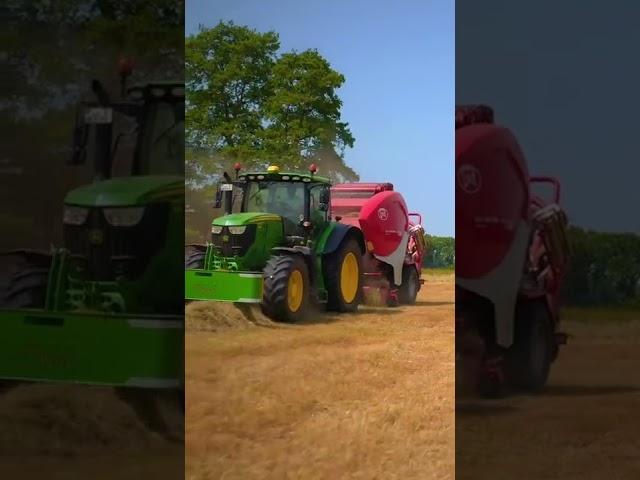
(79, 153)
(324, 197)
(218, 201)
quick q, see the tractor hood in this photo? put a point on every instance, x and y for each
(127, 191)
(236, 219)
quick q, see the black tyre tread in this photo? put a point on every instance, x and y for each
(529, 317)
(276, 283)
(195, 260)
(333, 264)
(409, 274)
(26, 289)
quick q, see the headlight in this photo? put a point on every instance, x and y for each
(237, 230)
(216, 229)
(123, 217)
(75, 215)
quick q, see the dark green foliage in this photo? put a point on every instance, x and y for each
(604, 268)
(247, 102)
(441, 252)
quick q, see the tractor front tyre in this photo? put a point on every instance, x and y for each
(27, 288)
(285, 292)
(531, 354)
(195, 260)
(343, 277)
(408, 291)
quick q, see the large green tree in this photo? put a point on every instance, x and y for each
(248, 103)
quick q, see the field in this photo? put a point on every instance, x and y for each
(582, 427)
(72, 431)
(364, 396)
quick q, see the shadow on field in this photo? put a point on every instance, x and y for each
(432, 304)
(481, 408)
(587, 390)
(320, 316)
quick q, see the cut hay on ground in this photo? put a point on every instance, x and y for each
(44, 419)
(221, 316)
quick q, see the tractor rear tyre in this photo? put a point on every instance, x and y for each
(408, 291)
(531, 355)
(343, 277)
(285, 295)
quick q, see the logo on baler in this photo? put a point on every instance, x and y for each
(469, 179)
(383, 214)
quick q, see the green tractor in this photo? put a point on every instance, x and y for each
(277, 246)
(107, 307)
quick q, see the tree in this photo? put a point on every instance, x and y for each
(303, 111)
(441, 251)
(227, 71)
(247, 103)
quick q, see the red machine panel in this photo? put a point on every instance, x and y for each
(492, 196)
(383, 220)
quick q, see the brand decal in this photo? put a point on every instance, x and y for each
(469, 179)
(383, 214)
(96, 237)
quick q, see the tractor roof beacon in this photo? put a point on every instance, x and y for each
(277, 246)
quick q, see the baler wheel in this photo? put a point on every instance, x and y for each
(343, 277)
(408, 291)
(285, 295)
(531, 354)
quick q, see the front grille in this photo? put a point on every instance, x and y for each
(230, 245)
(100, 251)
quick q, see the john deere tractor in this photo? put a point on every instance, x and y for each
(276, 245)
(106, 307)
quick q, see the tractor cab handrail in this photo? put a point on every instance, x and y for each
(553, 181)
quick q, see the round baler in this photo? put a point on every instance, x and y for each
(395, 244)
(512, 252)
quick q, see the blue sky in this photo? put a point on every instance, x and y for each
(566, 83)
(398, 98)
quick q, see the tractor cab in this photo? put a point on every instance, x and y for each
(297, 202)
(143, 134)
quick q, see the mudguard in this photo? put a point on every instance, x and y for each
(338, 234)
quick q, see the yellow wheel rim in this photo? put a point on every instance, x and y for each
(349, 276)
(295, 291)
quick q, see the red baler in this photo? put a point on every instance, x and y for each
(511, 254)
(394, 238)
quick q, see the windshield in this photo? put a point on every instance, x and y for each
(159, 141)
(282, 198)
(162, 142)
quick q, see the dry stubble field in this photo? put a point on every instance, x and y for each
(582, 428)
(366, 396)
